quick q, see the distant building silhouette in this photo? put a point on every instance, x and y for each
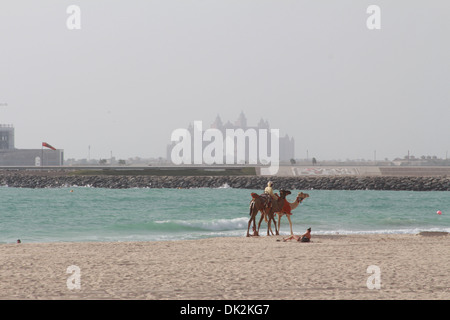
(6, 137)
(10, 156)
(286, 143)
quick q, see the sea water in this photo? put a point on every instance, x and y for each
(146, 214)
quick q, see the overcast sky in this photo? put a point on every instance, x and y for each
(138, 70)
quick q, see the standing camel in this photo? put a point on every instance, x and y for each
(300, 197)
(257, 204)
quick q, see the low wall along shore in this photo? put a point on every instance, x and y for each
(50, 179)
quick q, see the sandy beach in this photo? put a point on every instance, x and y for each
(330, 267)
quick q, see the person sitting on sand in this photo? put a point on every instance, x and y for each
(306, 237)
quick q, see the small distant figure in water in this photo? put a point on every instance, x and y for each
(18, 241)
(306, 237)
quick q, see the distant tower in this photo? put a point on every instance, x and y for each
(6, 137)
(263, 124)
(286, 143)
(241, 122)
(228, 125)
(217, 124)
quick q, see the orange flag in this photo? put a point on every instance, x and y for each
(45, 144)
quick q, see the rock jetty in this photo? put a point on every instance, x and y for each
(23, 179)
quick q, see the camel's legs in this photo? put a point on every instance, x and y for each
(276, 230)
(290, 223)
(260, 220)
(279, 222)
(253, 213)
(249, 223)
(269, 227)
(255, 232)
(264, 216)
(252, 219)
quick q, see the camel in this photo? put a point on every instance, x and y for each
(300, 197)
(257, 204)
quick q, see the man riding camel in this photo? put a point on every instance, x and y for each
(272, 196)
(269, 190)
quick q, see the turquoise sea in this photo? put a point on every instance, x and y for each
(95, 214)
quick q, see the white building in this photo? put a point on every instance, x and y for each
(10, 156)
(286, 143)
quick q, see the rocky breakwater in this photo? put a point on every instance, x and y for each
(24, 179)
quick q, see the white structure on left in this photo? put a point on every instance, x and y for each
(10, 156)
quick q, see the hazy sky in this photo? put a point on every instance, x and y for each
(138, 70)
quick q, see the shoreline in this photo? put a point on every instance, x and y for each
(331, 267)
(283, 234)
(58, 179)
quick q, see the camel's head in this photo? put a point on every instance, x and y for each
(302, 195)
(284, 193)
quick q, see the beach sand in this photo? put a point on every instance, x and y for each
(330, 267)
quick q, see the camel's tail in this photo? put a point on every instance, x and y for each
(252, 204)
